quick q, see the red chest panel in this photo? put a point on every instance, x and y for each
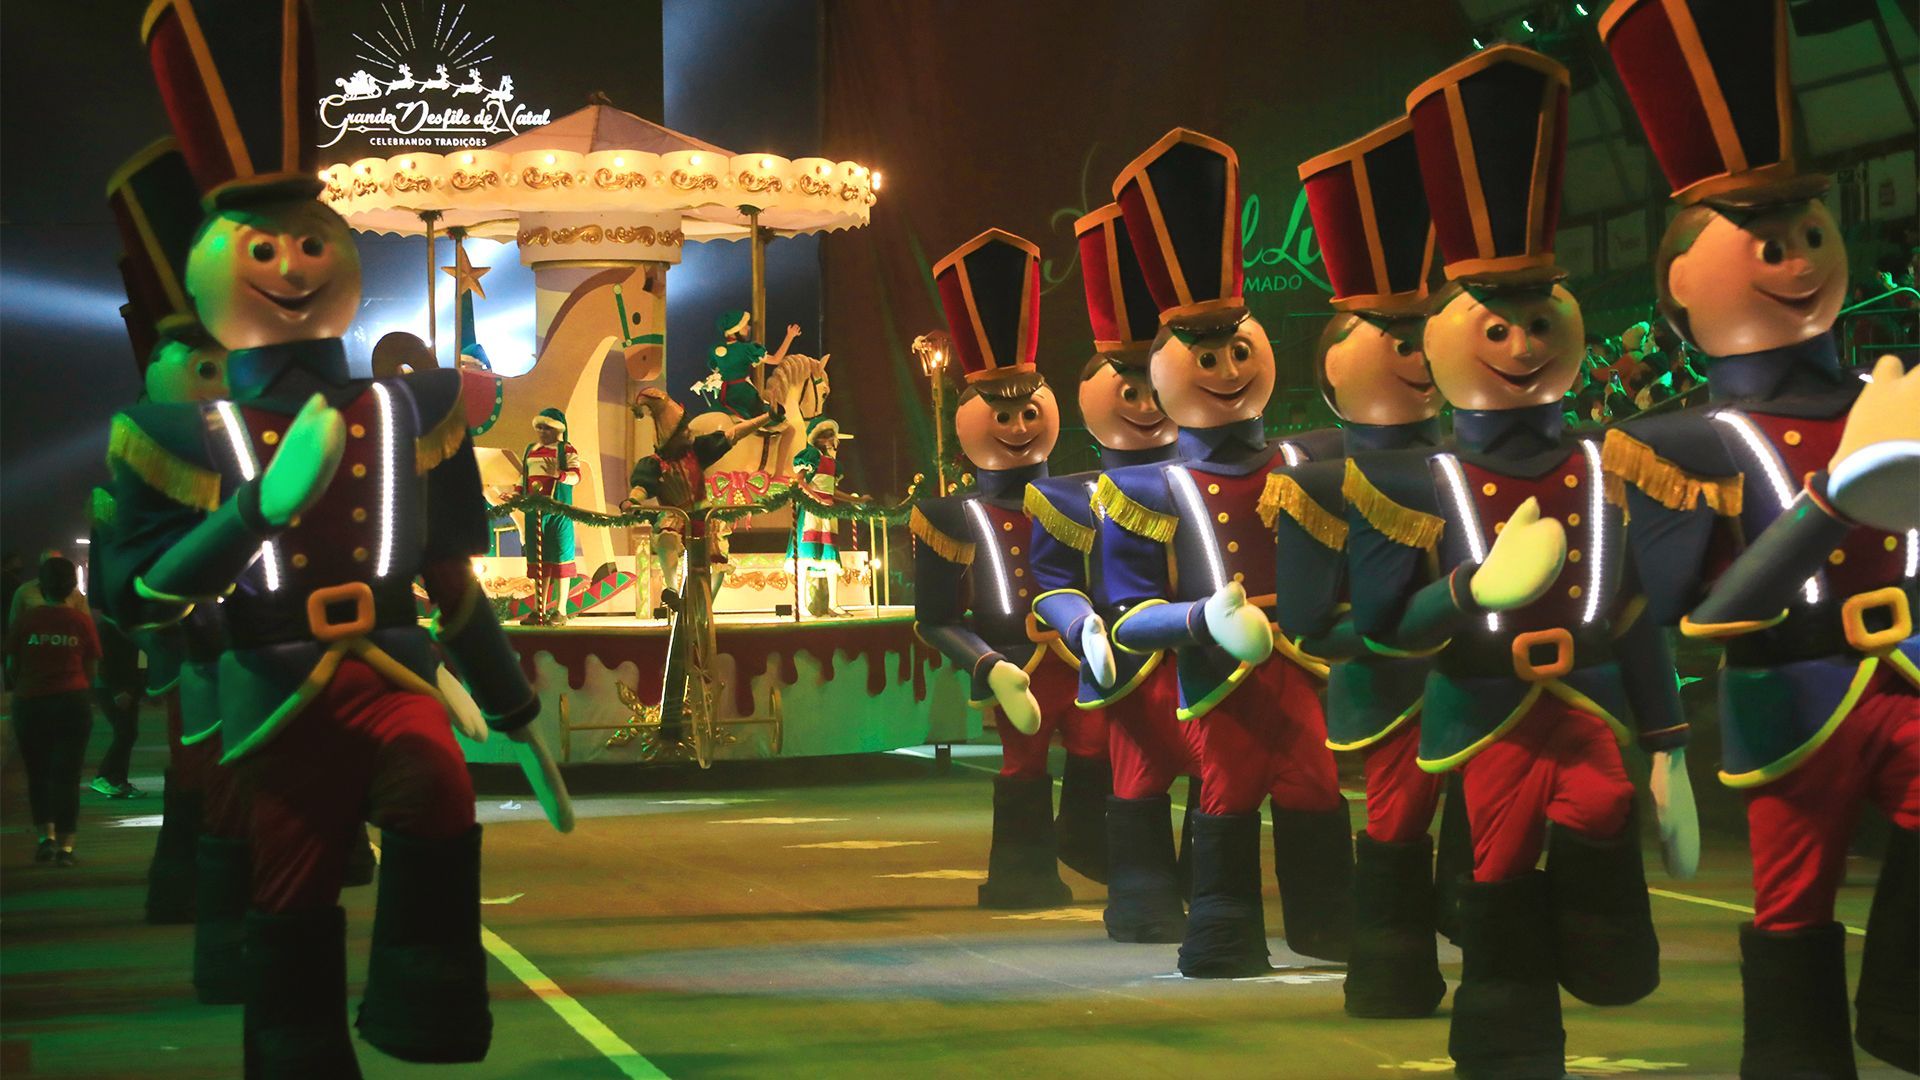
(1566, 493)
(1011, 534)
(339, 539)
(1868, 558)
(1245, 543)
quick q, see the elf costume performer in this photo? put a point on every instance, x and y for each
(734, 360)
(974, 583)
(814, 555)
(1779, 519)
(1370, 215)
(1187, 565)
(304, 502)
(550, 467)
(1147, 746)
(1537, 644)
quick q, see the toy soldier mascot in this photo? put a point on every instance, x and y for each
(1539, 651)
(305, 503)
(1187, 564)
(1778, 518)
(1148, 747)
(1370, 215)
(975, 553)
(550, 467)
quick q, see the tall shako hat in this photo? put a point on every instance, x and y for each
(1181, 203)
(1370, 216)
(236, 77)
(1119, 304)
(990, 291)
(1492, 137)
(156, 205)
(1714, 92)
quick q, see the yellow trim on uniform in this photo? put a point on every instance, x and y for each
(1586, 704)
(1689, 628)
(1215, 696)
(1781, 766)
(309, 689)
(1455, 760)
(1383, 649)
(1412, 711)
(1032, 665)
(1291, 650)
(1058, 525)
(1041, 620)
(955, 551)
(1629, 614)
(160, 469)
(1113, 632)
(1284, 494)
(1132, 516)
(439, 442)
(1664, 482)
(1128, 687)
(443, 628)
(1400, 524)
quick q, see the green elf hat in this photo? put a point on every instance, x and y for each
(552, 418)
(818, 424)
(732, 322)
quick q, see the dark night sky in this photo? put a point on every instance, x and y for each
(77, 97)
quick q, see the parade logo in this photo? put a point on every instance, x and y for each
(459, 104)
(1291, 264)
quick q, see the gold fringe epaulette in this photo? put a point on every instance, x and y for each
(1058, 525)
(1131, 516)
(159, 468)
(102, 510)
(1283, 494)
(1400, 524)
(1666, 483)
(438, 443)
(954, 551)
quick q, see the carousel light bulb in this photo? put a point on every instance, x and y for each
(766, 163)
(549, 159)
(876, 179)
(619, 162)
(466, 159)
(693, 160)
(406, 163)
(825, 169)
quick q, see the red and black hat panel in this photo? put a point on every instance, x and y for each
(1181, 203)
(990, 290)
(1370, 217)
(141, 317)
(1491, 133)
(1119, 304)
(1710, 82)
(236, 77)
(156, 205)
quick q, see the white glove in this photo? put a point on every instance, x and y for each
(302, 468)
(1013, 692)
(1873, 474)
(1679, 822)
(1241, 630)
(1097, 652)
(461, 707)
(1525, 559)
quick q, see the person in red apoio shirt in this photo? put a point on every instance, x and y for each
(52, 652)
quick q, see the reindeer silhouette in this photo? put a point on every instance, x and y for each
(404, 82)
(502, 93)
(440, 81)
(473, 85)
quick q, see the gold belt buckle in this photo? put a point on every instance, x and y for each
(1524, 644)
(327, 631)
(1853, 619)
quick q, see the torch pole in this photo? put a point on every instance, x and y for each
(431, 218)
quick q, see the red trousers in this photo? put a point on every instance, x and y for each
(1557, 764)
(1083, 732)
(1269, 737)
(225, 810)
(361, 751)
(1401, 796)
(1799, 825)
(1149, 746)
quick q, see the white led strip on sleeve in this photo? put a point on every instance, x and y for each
(389, 478)
(1291, 453)
(1776, 476)
(243, 454)
(1913, 552)
(1469, 518)
(1196, 509)
(991, 545)
(1597, 529)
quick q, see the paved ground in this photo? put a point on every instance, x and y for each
(798, 920)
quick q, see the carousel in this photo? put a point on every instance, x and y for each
(748, 619)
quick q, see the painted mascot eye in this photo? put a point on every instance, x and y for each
(1497, 332)
(1241, 352)
(262, 251)
(313, 246)
(1773, 252)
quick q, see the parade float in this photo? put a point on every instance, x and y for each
(601, 204)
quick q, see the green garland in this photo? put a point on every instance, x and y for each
(893, 513)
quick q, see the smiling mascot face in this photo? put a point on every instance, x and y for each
(1505, 348)
(1735, 282)
(1118, 407)
(270, 273)
(1007, 427)
(1373, 372)
(1214, 377)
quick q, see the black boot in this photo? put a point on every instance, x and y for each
(170, 876)
(426, 997)
(1020, 868)
(1603, 927)
(1080, 830)
(360, 862)
(1394, 970)
(1184, 866)
(1313, 863)
(1795, 986)
(222, 889)
(1226, 925)
(1452, 859)
(1506, 1011)
(296, 1015)
(1889, 998)
(1143, 889)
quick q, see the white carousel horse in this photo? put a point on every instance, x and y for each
(800, 384)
